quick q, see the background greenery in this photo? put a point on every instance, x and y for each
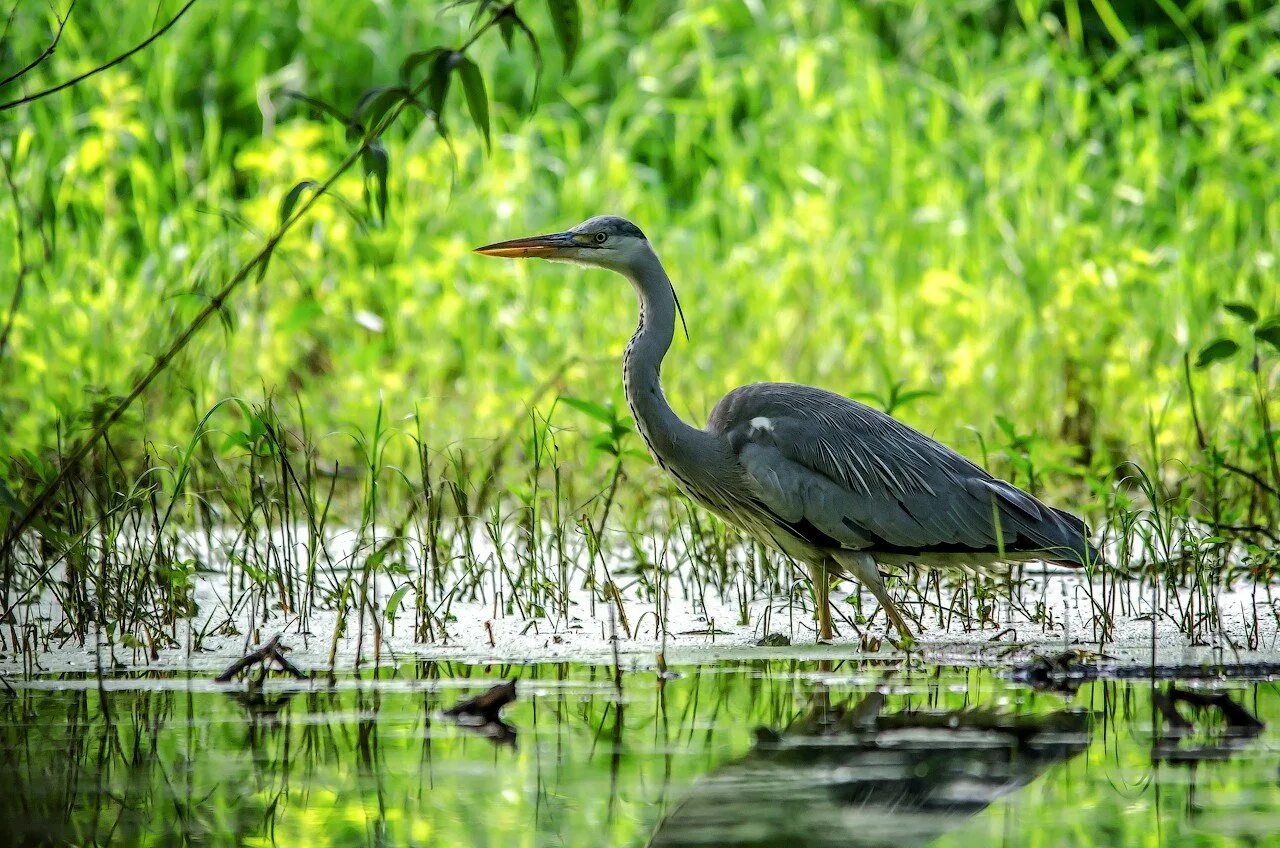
(1007, 221)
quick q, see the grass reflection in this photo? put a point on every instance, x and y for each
(959, 755)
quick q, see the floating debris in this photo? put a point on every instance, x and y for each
(485, 707)
(272, 651)
(1067, 671)
(483, 713)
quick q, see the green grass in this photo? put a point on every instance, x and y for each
(1030, 218)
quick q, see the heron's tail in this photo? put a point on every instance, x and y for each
(1076, 549)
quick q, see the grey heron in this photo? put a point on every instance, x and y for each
(834, 484)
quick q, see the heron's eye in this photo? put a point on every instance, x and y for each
(601, 238)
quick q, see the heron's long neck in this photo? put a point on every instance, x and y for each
(669, 438)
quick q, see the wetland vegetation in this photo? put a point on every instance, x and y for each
(253, 382)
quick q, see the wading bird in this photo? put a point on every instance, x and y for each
(828, 481)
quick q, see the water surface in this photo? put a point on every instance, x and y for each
(749, 753)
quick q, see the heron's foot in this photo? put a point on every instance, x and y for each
(826, 633)
(906, 640)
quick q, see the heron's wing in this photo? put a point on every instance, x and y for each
(830, 467)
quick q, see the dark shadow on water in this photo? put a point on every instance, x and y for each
(859, 776)
(1219, 730)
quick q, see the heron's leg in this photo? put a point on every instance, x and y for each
(863, 567)
(820, 574)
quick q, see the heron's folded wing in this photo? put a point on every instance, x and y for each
(871, 483)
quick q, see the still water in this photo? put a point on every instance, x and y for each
(760, 753)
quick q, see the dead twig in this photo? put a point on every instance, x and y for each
(268, 652)
(484, 708)
(482, 714)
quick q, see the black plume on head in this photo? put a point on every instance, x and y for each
(611, 224)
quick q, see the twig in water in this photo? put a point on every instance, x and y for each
(484, 708)
(270, 651)
(482, 714)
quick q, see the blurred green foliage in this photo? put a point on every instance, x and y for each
(1029, 209)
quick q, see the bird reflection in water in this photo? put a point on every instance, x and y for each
(859, 777)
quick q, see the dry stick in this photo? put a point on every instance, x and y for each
(269, 651)
(125, 56)
(46, 53)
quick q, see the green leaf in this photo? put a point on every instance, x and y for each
(477, 99)
(227, 318)
(1269, 331)
(393, 603)
(290, 200)
(237, 439)
(376, 102)
(9, 501)
(507, 28)
(598, 411)
(912, 395)
(320, 106)
(417, 60)
(604, 442)
(438, 86)
(377, 164)
(1216, 350)
(566, 19)
(1243, 311)
(519, 23)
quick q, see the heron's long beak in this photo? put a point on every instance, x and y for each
(548, 245)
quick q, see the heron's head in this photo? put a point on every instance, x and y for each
(605, 241)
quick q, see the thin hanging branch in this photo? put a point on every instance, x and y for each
(123, 57)
(46, 53)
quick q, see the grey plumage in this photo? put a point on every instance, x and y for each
(831, 482)
(866, 482)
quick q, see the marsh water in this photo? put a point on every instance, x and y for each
(744, 753)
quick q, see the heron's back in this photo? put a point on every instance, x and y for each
(842, 475)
